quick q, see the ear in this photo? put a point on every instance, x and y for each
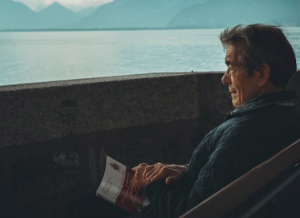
(264, 74)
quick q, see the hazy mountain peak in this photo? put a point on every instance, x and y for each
(55, 6)
(59, 15)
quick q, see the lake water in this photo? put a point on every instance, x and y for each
(27, 57)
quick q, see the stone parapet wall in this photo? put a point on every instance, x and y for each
(54, 137)
(43, 111)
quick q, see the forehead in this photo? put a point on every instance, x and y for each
(233, 52)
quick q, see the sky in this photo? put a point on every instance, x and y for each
(71, 4)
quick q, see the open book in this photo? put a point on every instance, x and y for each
(115, 187)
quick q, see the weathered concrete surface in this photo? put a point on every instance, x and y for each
(54, 137)
(39, 112)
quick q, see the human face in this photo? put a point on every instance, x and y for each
(241, 86)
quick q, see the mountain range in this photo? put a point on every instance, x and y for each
(152, 14)
(58, 15)
(15, 15)
(220, 13)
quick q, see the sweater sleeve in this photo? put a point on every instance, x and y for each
(218, 171)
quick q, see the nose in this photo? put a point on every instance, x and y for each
(226, 78)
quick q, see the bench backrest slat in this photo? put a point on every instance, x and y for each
(237, 192)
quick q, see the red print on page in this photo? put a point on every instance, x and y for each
(115, 167)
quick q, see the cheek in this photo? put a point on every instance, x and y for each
(238, 87)
(246, 90)
(241, 89)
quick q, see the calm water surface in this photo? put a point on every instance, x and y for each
(28, 57)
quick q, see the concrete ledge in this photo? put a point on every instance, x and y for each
(44, 111)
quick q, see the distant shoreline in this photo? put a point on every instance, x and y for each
(98, 29)
(112, 29)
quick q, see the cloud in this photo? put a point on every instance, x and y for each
(40, 4)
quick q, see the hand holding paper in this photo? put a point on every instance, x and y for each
(144, 174)
(172, 172)
(139, 180)
(115, 186)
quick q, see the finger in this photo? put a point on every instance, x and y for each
(141, 165)
(154, 167)
(136, 167)
(146, 170)
(154, 171)
(145, 179)
(164, 172)
(149, 168)
(161, 174)
(147, 175)
(173, 179)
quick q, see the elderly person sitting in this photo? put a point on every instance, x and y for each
(260, 61)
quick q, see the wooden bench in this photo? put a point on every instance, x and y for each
(254, 194)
